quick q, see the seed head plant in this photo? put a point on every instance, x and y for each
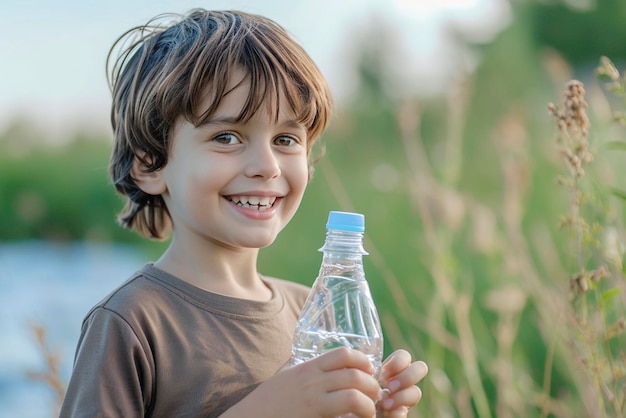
(596, 281)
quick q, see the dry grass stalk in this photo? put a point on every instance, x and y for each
(50, 376)
(590, 337)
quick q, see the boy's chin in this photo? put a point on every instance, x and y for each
(261, 242)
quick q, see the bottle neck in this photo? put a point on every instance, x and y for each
(343, 255)
(344, 245)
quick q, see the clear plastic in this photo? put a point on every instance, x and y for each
(339, 311)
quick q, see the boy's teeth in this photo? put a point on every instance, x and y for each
(254, 202)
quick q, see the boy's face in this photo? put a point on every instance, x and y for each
(233, 183)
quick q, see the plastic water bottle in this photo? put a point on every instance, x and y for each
(340, 311)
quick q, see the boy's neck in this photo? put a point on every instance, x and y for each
(216, 269)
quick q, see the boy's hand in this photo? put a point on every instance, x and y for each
(333, 384)
(399, 376)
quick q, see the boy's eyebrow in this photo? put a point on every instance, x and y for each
(231, 120)
(293, 124)
(222, 120)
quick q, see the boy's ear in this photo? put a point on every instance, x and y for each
(150, 182)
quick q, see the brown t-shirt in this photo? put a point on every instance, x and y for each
(160, 347)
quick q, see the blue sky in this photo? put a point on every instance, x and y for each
(52, 53)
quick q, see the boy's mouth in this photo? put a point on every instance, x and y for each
(253, 202)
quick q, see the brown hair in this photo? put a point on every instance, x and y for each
(165, 70)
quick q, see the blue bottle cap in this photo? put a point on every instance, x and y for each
(346, 221)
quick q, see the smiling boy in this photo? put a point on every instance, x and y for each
(214, 118)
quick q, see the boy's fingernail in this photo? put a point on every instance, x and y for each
(393, 385)
(381, 395)
(388, 403)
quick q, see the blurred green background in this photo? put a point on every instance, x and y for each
(468, 263)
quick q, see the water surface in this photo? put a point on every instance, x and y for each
(53, 285)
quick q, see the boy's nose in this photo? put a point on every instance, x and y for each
(262, 162)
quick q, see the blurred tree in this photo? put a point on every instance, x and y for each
(580, 31)
(373, 68)
(55, 191)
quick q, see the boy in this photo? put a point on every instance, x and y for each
(214, 118)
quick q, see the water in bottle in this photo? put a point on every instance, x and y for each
(340, 311)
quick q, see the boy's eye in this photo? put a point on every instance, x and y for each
(226, 139)
(285, 141)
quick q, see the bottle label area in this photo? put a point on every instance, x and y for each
(339, 313)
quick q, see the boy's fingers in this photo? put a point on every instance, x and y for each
(408, 397)
(394, 364)
(343, 402)
(408, 377)
(401, 412)
(355, 379)
(342, 358)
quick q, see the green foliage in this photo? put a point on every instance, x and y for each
(54, 193)
(58, 191)
(581, 34)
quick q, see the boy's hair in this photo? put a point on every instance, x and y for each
(164, 71)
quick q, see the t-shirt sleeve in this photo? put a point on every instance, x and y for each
(112, 375)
